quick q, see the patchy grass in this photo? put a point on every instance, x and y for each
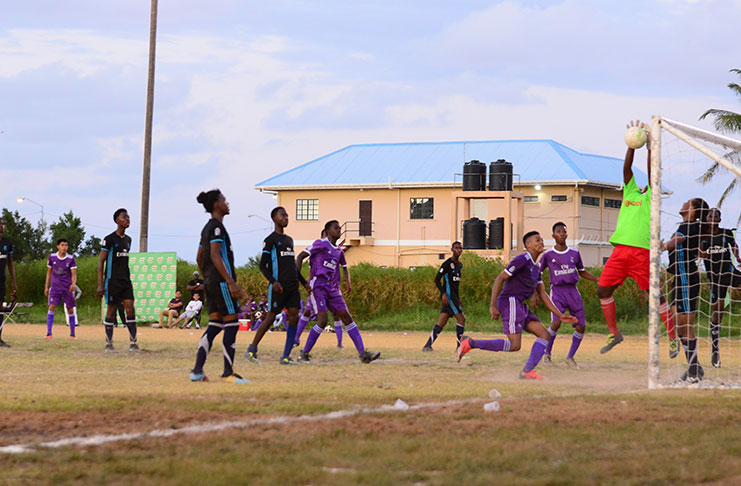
(597, 425)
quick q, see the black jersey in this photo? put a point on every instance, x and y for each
(117, 261)
(278, 260)
(6, 249)
(718, 248)
(683, 259)
(214, 231)
(448, 278)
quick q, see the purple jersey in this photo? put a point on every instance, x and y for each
(564, 266)
(343, 263)
(324, 260)
(61, 271)
(524, 278)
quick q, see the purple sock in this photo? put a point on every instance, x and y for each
(72, 324)
(354, 333)
(491, 344)
(575, 342)
(256, 324)
(49, 322)
(553, 334)
(338, 332)
(302, 322)
(536, 353)
(314, 334)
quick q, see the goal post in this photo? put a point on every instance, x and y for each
(680, 155)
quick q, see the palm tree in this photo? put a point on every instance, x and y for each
(725, 122)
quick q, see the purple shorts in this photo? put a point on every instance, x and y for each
(326, 299)
(515, 315)
(57, 296)
(310, 306)
(568, 298)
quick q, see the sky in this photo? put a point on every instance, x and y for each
(247, 89)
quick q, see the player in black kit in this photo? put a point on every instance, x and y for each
(717, 247)
(278, 264)
(447, 281)
(116, 285)
(6, 259)
(216, 262)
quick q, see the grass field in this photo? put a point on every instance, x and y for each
(597, 425)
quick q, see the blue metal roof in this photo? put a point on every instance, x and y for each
(437, 162)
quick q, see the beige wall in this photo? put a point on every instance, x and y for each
(421, 242)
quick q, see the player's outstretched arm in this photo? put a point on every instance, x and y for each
(549, 304)
(496, 289)
(588, 275)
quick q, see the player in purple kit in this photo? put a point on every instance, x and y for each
(6, 259)
(520, 279)
(324, 258)
(565, 267)
(61, 280)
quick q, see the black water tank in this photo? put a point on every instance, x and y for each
(496, 234)
(474, 176)
(500, 175)
(474, 234)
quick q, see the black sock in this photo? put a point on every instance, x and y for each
(715, 334)
(2, 322)
(459, 330)
(229, 345)
(690, 351)
(433, 335)
(204, 346)
(109, 323)
(131, 325)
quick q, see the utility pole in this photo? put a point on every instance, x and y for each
(147, 165)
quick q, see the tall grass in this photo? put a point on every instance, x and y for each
(381, 296)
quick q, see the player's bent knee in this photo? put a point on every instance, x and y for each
(514, 347)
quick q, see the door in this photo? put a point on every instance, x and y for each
(365, 228)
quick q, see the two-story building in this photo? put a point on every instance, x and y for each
(402, 204)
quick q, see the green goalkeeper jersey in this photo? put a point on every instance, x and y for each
(634, 221)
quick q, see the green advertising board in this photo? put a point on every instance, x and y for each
(154, 277)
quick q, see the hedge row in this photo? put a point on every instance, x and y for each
(375, 291)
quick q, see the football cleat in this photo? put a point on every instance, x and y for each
(530, 375)
(198, 376)
(109, 348)
(286, 360)
(547, 359)
(612, 341)
(3, 344)
(673, 348)
(572, 364)
(251, 354)
(133, 348)
(48, 336)
(427, 349)
(304, 357)
(233, 378)
(367, 356)
(464, 348)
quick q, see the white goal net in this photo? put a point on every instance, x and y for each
(694, 257)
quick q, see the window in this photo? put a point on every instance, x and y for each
(441, 256)
(307, 209)
(604, 260)
(531, 198)
(613, 203)
(421, 208)
(590, 201)
(558, 198)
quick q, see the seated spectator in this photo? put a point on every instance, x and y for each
(249, 308)
(173, 309)
(196, 286)
(194, 307)
(262, 309)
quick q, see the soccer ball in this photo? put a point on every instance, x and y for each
(635, 137)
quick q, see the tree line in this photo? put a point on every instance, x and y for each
(36, 242)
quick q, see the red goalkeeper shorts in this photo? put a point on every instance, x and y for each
(626, 261)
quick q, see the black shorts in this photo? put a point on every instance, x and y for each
(289, 298)
(686, 291)
(117, 290)
(454, 307)
(219, 299)
(719, 284)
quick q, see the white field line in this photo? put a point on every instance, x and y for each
(100, 439)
